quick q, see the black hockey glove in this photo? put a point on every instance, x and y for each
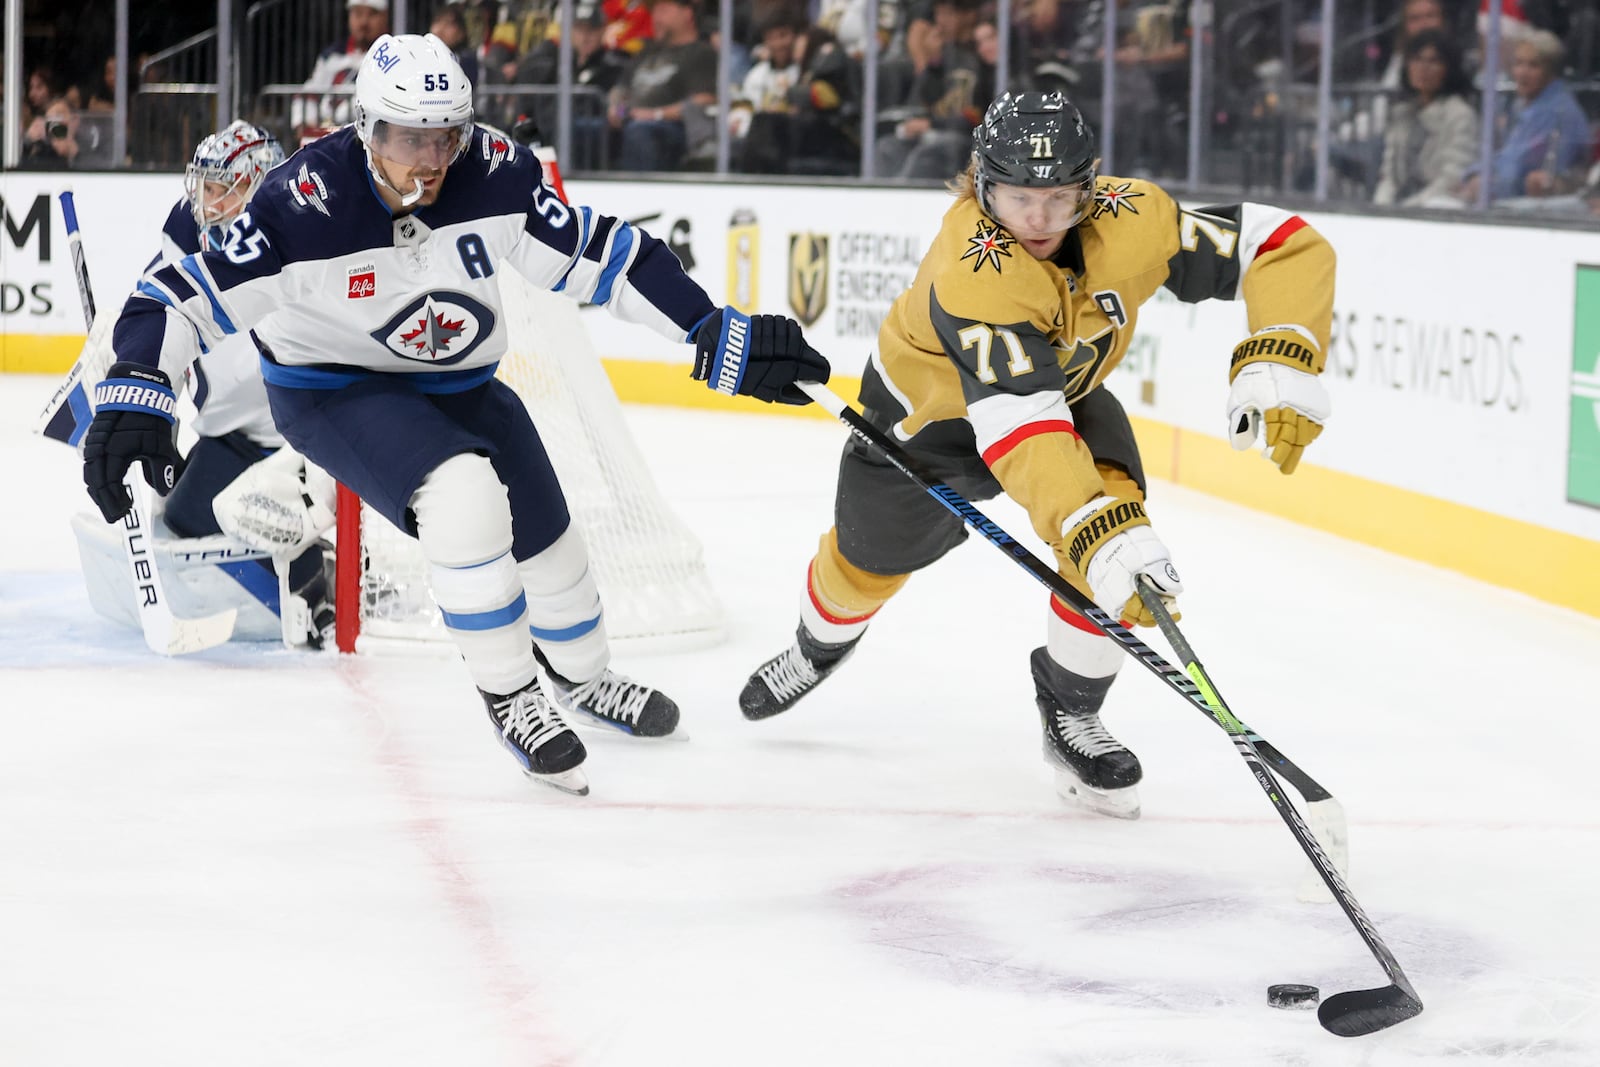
(133, 420)
(757, 355)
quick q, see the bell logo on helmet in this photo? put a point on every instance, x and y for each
(383, 59)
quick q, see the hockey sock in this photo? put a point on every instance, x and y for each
(564, 612)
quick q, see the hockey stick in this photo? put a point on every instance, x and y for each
(1047, 576)
(164, 632)
(1348, 1014)
(1351, 1014)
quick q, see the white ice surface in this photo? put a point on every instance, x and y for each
(255, 857)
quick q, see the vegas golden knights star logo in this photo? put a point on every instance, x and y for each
(808, 276)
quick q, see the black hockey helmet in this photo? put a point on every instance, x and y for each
(1033, 139)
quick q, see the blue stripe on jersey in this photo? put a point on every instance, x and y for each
(486, 620)
(172, 278)
(619, 258)
(322, 377)
(569, 633)
(144, 288)
(584, 218)
(192, 267)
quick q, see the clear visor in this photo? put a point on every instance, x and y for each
(215, 198)
(406, 146)
(1034, 212)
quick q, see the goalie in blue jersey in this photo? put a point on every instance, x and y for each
(365, 269)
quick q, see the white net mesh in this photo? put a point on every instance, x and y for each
(650, 568)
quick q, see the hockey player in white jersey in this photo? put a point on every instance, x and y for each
(366, 266)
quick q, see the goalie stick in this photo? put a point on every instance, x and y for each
(164, 632)
(1346, 1014)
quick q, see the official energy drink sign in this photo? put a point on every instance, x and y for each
(1583, 444)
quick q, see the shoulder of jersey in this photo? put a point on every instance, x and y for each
(181, 229)
(318, 180)
(1131, 226)
(496, 173)
(981, 269)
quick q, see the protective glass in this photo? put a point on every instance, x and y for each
(407, 146)
(1036, 212)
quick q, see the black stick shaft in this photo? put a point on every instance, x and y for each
(1047, 576)
(1252, 756)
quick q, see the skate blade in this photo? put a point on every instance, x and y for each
(1116, 803)
(573, 781)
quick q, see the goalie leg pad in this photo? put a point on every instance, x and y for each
(463, 520)
(564, 611)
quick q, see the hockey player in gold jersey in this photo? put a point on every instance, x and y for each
(990, 369)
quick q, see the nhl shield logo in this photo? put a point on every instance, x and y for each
(808, 276)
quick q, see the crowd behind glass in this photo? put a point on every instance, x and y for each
(1406, 104)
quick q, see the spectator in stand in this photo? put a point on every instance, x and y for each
(660, 106)
(450, 26)
(947, 98)
(1415, 16)
(311, 116)
(50, 142)
(1548, 145)
(1432, 134)
(597, 70)
(760, 123)
(629, 25)
(1042, 38)
(102, 95)
(41, 91)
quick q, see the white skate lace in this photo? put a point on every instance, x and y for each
(1085, 734)
(531, 720)
(790, 674)
(612, 696)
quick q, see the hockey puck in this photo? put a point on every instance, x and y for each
(1293, 996)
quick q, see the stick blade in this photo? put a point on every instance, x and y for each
(183, 636)
(1366, 1011)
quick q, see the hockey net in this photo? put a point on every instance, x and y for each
(649, 566)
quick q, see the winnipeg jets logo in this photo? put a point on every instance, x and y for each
(439, 328)
(1110, 199)
(496, 147)
(309, 190)
(988, 244)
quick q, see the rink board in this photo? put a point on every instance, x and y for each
(1466, 426)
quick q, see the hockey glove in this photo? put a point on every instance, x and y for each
(133, 420)
(1274, 375)
(1109, 543)
(756, 355)
(279, 505)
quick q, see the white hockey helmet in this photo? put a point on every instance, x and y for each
(225, 172)
(412, 81)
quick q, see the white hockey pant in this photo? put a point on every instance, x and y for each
(464, 524)
(564, 608)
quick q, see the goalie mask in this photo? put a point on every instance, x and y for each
(413, 107)
(1036, 140)
(226, 170)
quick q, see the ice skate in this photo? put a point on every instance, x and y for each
(790, 675)
(530, 726)
(1093, 769)
(617, 701)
